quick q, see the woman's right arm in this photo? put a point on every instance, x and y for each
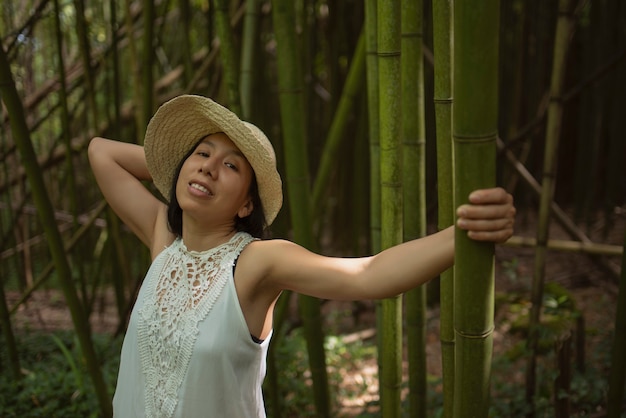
(119, 168)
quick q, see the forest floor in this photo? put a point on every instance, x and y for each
(590, 287)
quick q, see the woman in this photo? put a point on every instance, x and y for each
(199, 331)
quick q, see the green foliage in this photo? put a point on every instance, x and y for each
(295, 386)
(587, 391)
(53, 372)
(55, 382)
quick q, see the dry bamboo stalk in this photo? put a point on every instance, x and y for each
(570, 246)
(558, 213)
(93, 219)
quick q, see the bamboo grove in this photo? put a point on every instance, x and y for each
(384, 116)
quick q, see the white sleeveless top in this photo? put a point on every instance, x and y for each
(188, 350)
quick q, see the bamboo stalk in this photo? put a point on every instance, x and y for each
(230, 61)
(442, 26)
(147, 66)
(9, 337)
(135, 72)
(617, 375)
(389, 67)
(414, 192)
(373, 105)
(336, 132)
(371, 62)
(46, 213)
(186, 18)
(249, 47)
(293, 119)
(569, 246)
(474, 116)
(82, 33)
(564, 26)
(563, 354)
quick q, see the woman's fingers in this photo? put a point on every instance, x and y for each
(499, 236)
(490, 215)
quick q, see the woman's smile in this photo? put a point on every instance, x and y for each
(198, 189)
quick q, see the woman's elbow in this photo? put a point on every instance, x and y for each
(95, 148)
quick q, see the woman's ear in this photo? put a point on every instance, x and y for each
(246, 209)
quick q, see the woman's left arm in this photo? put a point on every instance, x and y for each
(488, 217)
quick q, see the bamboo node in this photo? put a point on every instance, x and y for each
(389, 54)
(481, 336)
(491, 137)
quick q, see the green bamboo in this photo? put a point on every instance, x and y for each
(70, 183)
(290, 82)
(65, 119)
(271, 386)
(474, 129)
(147, 64)
(616, 146)
(414, 190)
(9, 337)
(228, 54)
(371, 63)
(140, 121)
(564, 26)
(45, 210)
(82, 31)
(442, 45)
(186, 18)
(336, 133)
(121, 276)
(249, 47)
(115, 90)
(120, 263)
(359, 222)
(617, 375)
(593, 42)
(371, 70)
(389, 79)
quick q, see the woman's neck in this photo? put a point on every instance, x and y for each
(204, 237)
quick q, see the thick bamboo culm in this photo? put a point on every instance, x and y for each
(474, 128)
(389, 85)
(291, 81)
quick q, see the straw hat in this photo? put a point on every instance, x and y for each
(181, 122)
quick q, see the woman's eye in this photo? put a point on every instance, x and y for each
(203, 154)
(231, 165)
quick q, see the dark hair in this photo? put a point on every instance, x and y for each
(254, 224)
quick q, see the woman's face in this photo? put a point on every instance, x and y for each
(215, 179)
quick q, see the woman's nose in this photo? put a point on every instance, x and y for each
(209, 167)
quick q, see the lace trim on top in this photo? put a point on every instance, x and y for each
(187, 286)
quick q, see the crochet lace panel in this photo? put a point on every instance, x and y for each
(186, 289)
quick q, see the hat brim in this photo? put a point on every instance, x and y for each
(181, 122)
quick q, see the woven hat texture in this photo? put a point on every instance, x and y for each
(181, 122)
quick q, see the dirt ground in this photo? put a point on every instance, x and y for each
(591, 282)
